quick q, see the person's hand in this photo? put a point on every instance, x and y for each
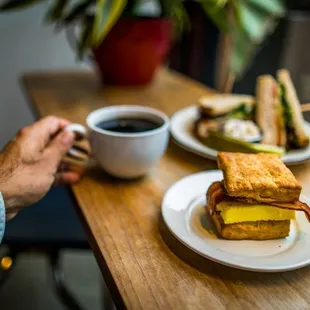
(31, 163)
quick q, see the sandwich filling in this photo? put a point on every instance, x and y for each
(234, 211)
(243, 111)
(292, 141)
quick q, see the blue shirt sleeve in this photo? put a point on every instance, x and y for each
(2, 217)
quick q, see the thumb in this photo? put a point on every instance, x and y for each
(59, 146)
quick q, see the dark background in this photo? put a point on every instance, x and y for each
(194, 54)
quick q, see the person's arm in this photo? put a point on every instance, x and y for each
(30, 165)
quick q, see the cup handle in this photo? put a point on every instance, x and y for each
(79, 130)
(78, 152)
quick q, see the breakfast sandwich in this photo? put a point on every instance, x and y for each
(257, 198)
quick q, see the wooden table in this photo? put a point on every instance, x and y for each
(144, 266)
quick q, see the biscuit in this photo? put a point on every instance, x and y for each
(260, 230)
(258, 178)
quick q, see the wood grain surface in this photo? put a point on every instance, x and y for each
(144, 266)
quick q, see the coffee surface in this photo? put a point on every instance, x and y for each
(128, 125)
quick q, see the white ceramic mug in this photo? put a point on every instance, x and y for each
(126, 155)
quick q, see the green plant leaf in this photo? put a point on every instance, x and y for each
(84, 41)
(255, 23)
(132, 8)
(272, 7)
(175, 10)
(106, 16)
(243, 50)
(216, 11)
(215, 5)
(56, 10)
(170, 7)
(77, 11)
(180, 19)
(12, 5)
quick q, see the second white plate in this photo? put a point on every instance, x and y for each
(181, 128)
(183, 210)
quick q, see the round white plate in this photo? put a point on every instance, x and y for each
(183, 210)
(181, 128)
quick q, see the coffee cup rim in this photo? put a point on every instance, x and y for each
(129, 108)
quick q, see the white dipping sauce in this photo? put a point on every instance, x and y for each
(242, 130)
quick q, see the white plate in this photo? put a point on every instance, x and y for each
(181, 127)
(183, 210)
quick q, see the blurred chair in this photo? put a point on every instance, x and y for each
(49, 226)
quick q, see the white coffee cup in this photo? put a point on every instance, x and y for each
(126, 155)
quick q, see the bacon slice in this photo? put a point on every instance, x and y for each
(295, 205)
(216, 193)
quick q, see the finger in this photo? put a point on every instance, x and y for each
(66, 166)
(63, 166)
(51, 123)
(67, 177)
(48, 128)
(12, 212)
(10, 216)
(58, 148)
(42, 131)
(74, 161)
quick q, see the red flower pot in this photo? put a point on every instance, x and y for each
(132, 50)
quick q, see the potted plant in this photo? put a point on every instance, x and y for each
(128, 46)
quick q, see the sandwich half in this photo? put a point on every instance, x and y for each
(257, 198)
(269, 111)
(214, 110)
(223, 104)
(294, 122)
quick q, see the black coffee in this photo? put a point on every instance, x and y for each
(128, 125)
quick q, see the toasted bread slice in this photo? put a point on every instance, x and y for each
(269, 112)
(258, 177)
(298, 137)
(218, 105)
